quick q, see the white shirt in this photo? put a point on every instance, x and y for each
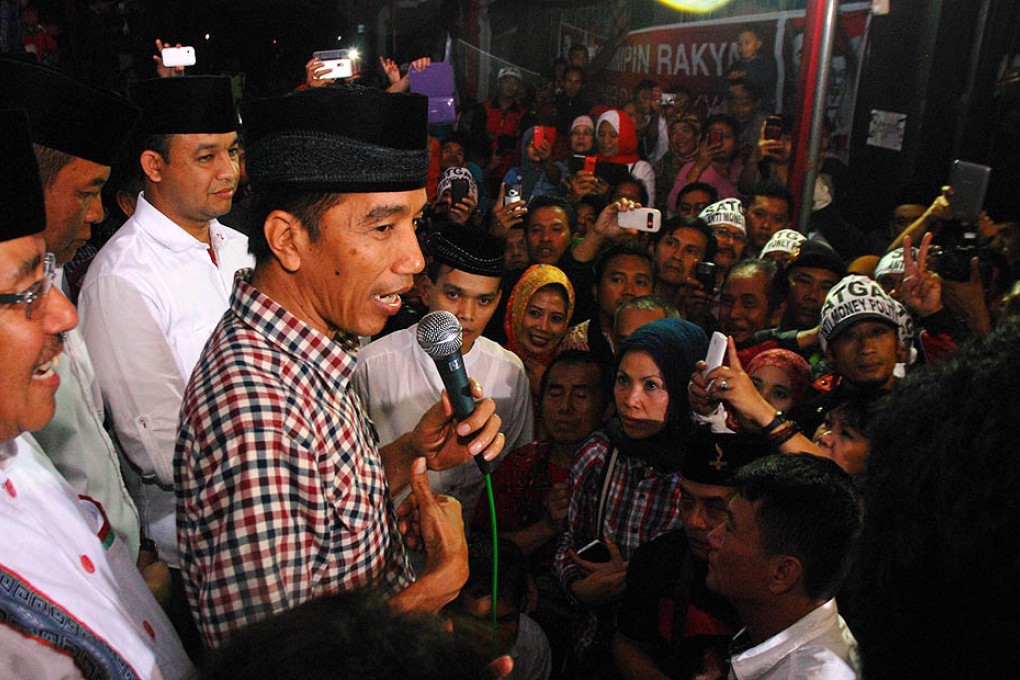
(397, 382)
(52, 542)
(818, 647)
(531, 652)
(149, 302)
(80, 447)
(644, 173)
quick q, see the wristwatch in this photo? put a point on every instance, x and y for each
(777, 421)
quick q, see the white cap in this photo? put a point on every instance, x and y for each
(510, 71)
(891, 263)
(727, 211)
(855, 298)
(784, 241)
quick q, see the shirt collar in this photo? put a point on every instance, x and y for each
(753, 661)
(167, 232)
(332, 358)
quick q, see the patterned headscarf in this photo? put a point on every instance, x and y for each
(793, 365)
(535, 277)
(628, 141)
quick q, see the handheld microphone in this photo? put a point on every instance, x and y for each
(441, 337)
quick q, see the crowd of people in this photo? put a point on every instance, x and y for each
(224, 452)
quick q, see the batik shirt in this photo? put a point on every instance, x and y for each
(281, 494)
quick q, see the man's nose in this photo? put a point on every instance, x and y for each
(60, 314)
(409, 259)
(95, 213)
(715, 538)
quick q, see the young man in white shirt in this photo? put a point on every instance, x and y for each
(157, 289)
(779, 557)
(72, 601)
(397, 381)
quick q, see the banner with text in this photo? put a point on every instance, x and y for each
(696, 55)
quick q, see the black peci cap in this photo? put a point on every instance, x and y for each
(337, 139)
(67, 115)
(22, 211)
(185, 105)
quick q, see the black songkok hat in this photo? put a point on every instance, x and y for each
(67, 115)
(337, 140)
(185, 106)
(22, 211)
(470, 250)
(714, 457)
(818, 255)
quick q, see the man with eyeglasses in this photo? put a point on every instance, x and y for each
(669, 621)
(74, 162)
(72, 600)
(726, 220)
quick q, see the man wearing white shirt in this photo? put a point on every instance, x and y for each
(74, 153)
(156, 290)
(779, 557)
(71, 598)
(397, 381)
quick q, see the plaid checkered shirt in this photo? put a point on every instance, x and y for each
(281, 494)
(641, 504)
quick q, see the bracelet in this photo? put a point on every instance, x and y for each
(784, 433)
(776, 422)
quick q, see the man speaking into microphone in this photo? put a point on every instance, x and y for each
(282, 492)
(398, 381)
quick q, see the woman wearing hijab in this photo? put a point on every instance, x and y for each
(582, 136)
(537, 174)
(782, 377)
(684, 134)
(618, 143)
(537, 315)
(625, 480)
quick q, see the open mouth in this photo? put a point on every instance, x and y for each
(46, 369)
(390, 300)
(539, 341)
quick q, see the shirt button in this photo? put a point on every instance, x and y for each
(149, 629)
(87, 565)
(9, 485)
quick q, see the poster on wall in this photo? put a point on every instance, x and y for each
(697, 55)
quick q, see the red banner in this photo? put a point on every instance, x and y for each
(697, 54)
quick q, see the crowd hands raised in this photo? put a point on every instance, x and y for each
(651, 510)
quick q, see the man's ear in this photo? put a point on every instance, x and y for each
(785, 574)
(126, 202)
(152, 165)
(287, 239)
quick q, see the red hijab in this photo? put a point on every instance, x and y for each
(627, 143)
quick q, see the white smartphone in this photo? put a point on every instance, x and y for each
(716, 352)
(339, 63)
(178, 56)
(642, 219)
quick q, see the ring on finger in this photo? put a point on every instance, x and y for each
(723, 385)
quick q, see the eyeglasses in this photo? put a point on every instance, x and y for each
(724, 234)
(36, 293)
